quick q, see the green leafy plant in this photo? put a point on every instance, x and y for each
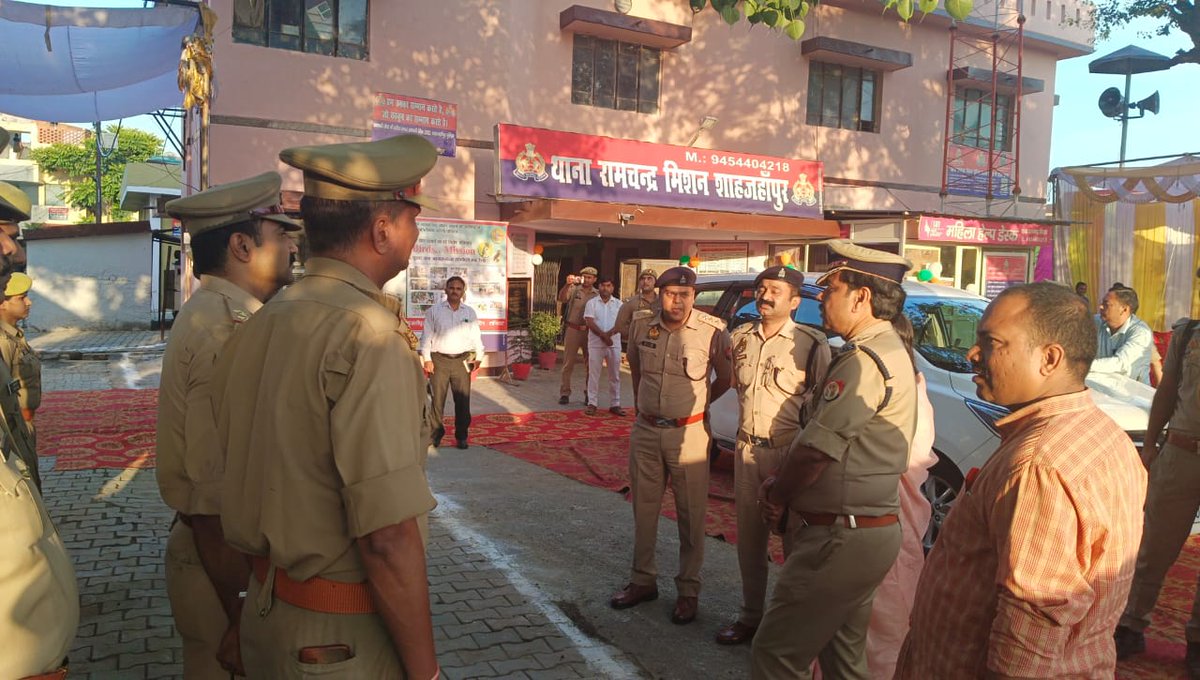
(75, 166)
(787, 16)
(543, 330)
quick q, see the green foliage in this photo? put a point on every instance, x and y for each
(1170, 15)
(543, 329)
(75, 166)
(787, 16)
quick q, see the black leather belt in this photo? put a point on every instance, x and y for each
(460, 355)
(764, 442)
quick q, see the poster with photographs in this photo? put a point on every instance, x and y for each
(475, 251)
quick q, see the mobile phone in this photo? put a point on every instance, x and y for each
(325, 654)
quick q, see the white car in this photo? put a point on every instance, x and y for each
(944, 321)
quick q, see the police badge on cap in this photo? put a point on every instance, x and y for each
(780, 273)
(677, 276)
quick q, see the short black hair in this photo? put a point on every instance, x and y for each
(1057, 315)
(605, 279)
(1127, 297)
(454, 278)
(333, 226)
(887, 297)
(210, 250)
(1118, 285)
(1080, 283)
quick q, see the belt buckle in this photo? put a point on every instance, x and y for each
(664, 422)
(764, 442)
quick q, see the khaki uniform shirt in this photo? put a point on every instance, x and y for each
(1186, 418)
(868, 440)
(576, 299)
(674, 367)
(190, 458)
(637, 303)
(23, 363)
(773, 380)
(10, 409)
(39, 598)
(321, 407)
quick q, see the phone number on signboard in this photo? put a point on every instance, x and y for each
(752, 163)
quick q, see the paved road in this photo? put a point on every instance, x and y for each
(521, 561)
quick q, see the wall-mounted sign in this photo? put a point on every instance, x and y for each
(989, 232)
(476, 251)
(968, 174)
(538, 163)
(396, 114)
(728, 257)
(1002, 270)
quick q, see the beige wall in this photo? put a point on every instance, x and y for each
(508, 61)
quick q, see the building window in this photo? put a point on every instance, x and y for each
(973, 119)
(336, 28)
(844, 97)
(615, 75)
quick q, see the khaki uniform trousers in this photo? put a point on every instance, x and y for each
(574, 340)
(752, 465)
(821, 606)
(1172, 499)
(199, 617)
(654, 454)
(274, 632)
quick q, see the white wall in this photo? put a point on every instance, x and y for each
(92, 282)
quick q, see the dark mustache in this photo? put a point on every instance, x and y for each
(766, 303)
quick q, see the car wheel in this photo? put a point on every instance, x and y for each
(941, 489)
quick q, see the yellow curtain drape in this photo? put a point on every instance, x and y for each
(1150, 261)
(1085, 241)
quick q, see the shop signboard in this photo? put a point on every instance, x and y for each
(968, 173)
(474, 250)
(723, 257)
(1002, 270)
(985, 232)
(396, 114)
(539, 163)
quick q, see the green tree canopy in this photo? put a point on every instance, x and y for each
(788, 15)
(1170, 15)
(75, 166)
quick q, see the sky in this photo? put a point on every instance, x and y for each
(1081, 134)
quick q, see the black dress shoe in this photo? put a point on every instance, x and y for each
(1130, 642)
(564, 400)
(462, 443)
(633, 595)
(685, 610)
(736, 633)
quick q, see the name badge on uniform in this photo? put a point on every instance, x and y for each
(833, 390)
(647, 343)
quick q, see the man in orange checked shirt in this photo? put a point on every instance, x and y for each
(1034, 563)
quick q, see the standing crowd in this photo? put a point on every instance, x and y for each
(294, 423)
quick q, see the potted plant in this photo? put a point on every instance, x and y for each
(520, 349)
(543, 330)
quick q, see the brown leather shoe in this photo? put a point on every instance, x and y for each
(736, 633)
(633, 595)
(685, 610)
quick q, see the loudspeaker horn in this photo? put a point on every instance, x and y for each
(1111, 103)
(1149, 104)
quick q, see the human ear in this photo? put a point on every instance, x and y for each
(240, 246)
(1054, 358)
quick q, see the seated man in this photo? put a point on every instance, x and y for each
(1125, 341)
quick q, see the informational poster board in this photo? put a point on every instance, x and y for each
(723, 257)
(474, 250)
(520, 252)
(397, 114)
(1001, 270)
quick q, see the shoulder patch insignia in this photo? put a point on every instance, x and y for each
(643, 314)
(833, 390)
(240, 316)
(711, 320)
(654, 332)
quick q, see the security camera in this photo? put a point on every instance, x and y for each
(625, 218)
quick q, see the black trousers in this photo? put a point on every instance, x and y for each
(450, 373)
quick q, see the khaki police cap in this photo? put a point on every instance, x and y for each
(5, 136)
(649, 272)
(14, 203)
(780, 273)
(384, 170)
(226, 204)
(589, 271)
(869, 261)
(677, 276)
(18, 284)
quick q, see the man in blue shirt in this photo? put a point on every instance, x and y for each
(1125, 341)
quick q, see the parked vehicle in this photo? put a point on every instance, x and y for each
(944, 321)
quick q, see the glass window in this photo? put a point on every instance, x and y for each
(336, 28)
(973, 119)
(844, 97)
(944, 329)
(706, 300)
(615, 75)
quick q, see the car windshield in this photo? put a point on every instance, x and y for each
(944, 329)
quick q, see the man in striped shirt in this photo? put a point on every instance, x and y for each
(1034, 563)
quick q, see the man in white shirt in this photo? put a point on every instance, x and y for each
(1125, 342)
(604, 347)
(451, 347)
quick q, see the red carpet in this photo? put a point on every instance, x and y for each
(106, 429)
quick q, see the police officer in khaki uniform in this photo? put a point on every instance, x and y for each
(575, 296)
(1173, 494)
(14, 208)
(242, 248)
(39, 599)
(776, 365)
(672, 353)
(322, 411)
(839, 482)
(24, 363)
(643, 298)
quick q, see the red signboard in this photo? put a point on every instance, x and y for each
(987, 232)
(1002, 270)
(539, 163)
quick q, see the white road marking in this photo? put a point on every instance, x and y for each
(129, 372)
(597, 654)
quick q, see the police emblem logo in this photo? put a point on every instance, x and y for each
(803, 192)
(653, 333)
(530, 165)
(782, 273)
(240, 316)
(833, 390)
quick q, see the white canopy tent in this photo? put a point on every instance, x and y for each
(77, 65)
